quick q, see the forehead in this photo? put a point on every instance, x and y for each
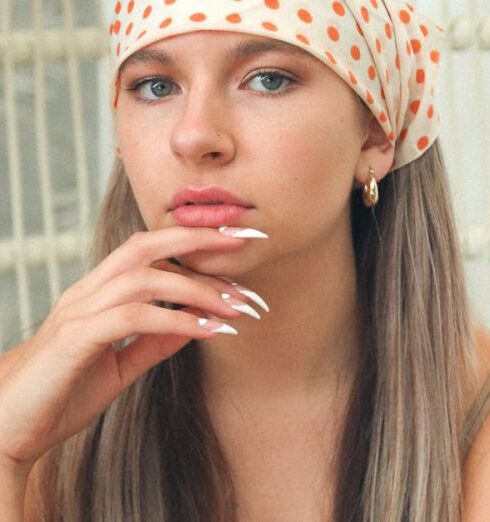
(233, 46)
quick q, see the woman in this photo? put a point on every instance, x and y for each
(358, 392)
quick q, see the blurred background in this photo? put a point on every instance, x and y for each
(56, 145)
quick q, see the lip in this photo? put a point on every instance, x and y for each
(205, 195)
(209, 215)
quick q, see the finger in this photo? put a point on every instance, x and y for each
(147, 285)
(149, 350)
(93, 390)
(144, 248)
(221, 284)
(84, 339)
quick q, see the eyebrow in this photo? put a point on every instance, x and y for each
(242, 50)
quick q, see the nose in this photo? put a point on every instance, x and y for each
(201, 135)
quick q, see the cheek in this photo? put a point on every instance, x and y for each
(137, 127)
(138, 165)
(145, 193)
(142, 148)
(131, 134)
(311, 166)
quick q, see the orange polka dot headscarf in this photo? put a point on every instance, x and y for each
(386, 50)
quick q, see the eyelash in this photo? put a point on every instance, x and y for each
(140, 83)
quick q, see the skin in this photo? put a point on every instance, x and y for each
(296, 157)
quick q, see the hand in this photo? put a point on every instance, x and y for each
(57, 382)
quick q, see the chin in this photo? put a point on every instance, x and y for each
(216, 263)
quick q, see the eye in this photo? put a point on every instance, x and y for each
(271, 80)
(151, 90)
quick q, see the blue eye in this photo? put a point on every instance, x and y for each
(157, 87)
(151, 90)
(265, 77)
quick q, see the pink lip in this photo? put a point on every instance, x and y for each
(209, 194)
(209, 215)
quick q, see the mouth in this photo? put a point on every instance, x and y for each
(209, 214)
(206, 197)
(189, 203)
(210, 204)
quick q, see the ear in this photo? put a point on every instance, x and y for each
(377, 153)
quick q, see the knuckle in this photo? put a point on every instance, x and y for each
(59, 317)
(141, 273)
(58, 307)
(132, 277)
(71, 294)
(139, 281)
(131, 313)
(65, 327)
(138, 244)
(64, 299)
(136, 237)
(146, 294)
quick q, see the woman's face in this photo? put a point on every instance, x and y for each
(290, 136)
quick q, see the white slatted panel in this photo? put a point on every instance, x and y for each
(43, 159)
(52, 184)
(14, 171)
(50, 54)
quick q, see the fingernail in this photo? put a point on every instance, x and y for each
(242, 232)
(251, 295)
(215, 326)
(240, 306)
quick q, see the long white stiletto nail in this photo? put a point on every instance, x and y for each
(240, 306)
(242, 232)
(251, 295)
(215, 326)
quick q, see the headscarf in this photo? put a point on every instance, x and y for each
(386, 50)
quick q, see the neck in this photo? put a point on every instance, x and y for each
(307, 346)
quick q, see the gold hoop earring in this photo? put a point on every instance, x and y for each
(370, 194)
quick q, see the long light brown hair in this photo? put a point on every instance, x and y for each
(153, 454)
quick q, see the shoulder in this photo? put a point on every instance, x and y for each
(476, 472)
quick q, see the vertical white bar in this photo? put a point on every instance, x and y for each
(16, 194)
(482, 130)
(106, 126)
(78, 130)
(484, 64)
(453, 137)
(482, 127)
(43, 155)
